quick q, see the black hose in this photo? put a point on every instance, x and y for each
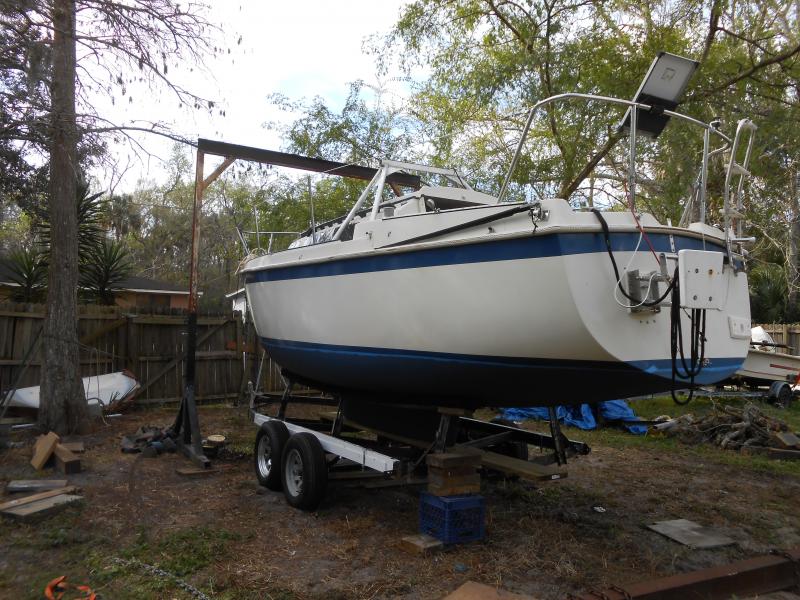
(607, 238)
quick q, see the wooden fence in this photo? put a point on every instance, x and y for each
(150, 345)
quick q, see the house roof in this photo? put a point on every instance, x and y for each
(145, 284)
(130, 284)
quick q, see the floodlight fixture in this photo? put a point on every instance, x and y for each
(661, 89)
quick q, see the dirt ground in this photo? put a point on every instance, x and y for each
(231, 539)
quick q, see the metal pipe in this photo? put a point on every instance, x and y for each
(704, 175)
(258, 236)
(632, 158)
(313, 220)
(355, 209)
(378, 193)
(576, 96)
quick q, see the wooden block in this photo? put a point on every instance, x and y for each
(43, 449)
(34, 485)
(454, 490)
(448, 460)
(452, 471)
(66, 460)
(471, 479)
(479, 591)
(76, 447)
(421, 544)
(40, 496)
(786, 439)
(35, 511)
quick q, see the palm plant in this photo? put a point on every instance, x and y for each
(90, 223)
(28, 269)
(107, 266)
(768, 293)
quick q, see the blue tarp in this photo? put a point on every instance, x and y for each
(581, 416)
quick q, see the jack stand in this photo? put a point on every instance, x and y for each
(187, 423)
(448, 418)
(336, 428)
(558, 437)
(287, 393)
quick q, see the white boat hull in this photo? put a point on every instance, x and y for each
(764, 367)
(506, 320)
(99, 389)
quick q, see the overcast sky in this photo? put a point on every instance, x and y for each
(299, 48)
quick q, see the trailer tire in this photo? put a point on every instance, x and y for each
(270, 441)
(784, 398)
(304, 471)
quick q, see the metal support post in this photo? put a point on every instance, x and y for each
(558, 437)
(440, 442)
(287, 393)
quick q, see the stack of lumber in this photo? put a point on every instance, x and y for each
(453, 473)
(42, 504)
(747, 429)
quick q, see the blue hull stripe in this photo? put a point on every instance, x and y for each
(437, 373)
(557, 244)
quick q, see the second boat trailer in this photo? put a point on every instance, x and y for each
(300, 456)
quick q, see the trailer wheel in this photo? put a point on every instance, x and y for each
(780, 394)
(270, 441)
(304, 471)
(784, 398)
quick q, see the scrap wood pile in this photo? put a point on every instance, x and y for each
(47, 496)
(732, 428)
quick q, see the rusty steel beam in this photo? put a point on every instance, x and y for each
(749, 577)
(296, 161)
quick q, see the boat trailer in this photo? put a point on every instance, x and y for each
(300, 456)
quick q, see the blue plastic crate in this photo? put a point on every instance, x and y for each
(452, 519)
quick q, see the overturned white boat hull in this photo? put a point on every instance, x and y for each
(104, 390)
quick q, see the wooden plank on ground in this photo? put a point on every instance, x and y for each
(40, 496)
(34, 485)
(35, 511)
(522, 468)
(43, 449)
(195, 471)
(67, 461)
(775, 453)
(478, 591)
(420, 544)
(786, 439)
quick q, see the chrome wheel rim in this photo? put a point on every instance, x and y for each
(294, 473)
(264, 457)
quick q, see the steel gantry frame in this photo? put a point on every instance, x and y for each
(187, 423)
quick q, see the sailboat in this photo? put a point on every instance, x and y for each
(446, 296)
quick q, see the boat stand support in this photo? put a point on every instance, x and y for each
(559, 439)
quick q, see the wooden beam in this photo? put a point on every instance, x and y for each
(229, 160)
(35, 497)
(296, 161)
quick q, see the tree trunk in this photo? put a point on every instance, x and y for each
(63, 407)
(793, 258)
